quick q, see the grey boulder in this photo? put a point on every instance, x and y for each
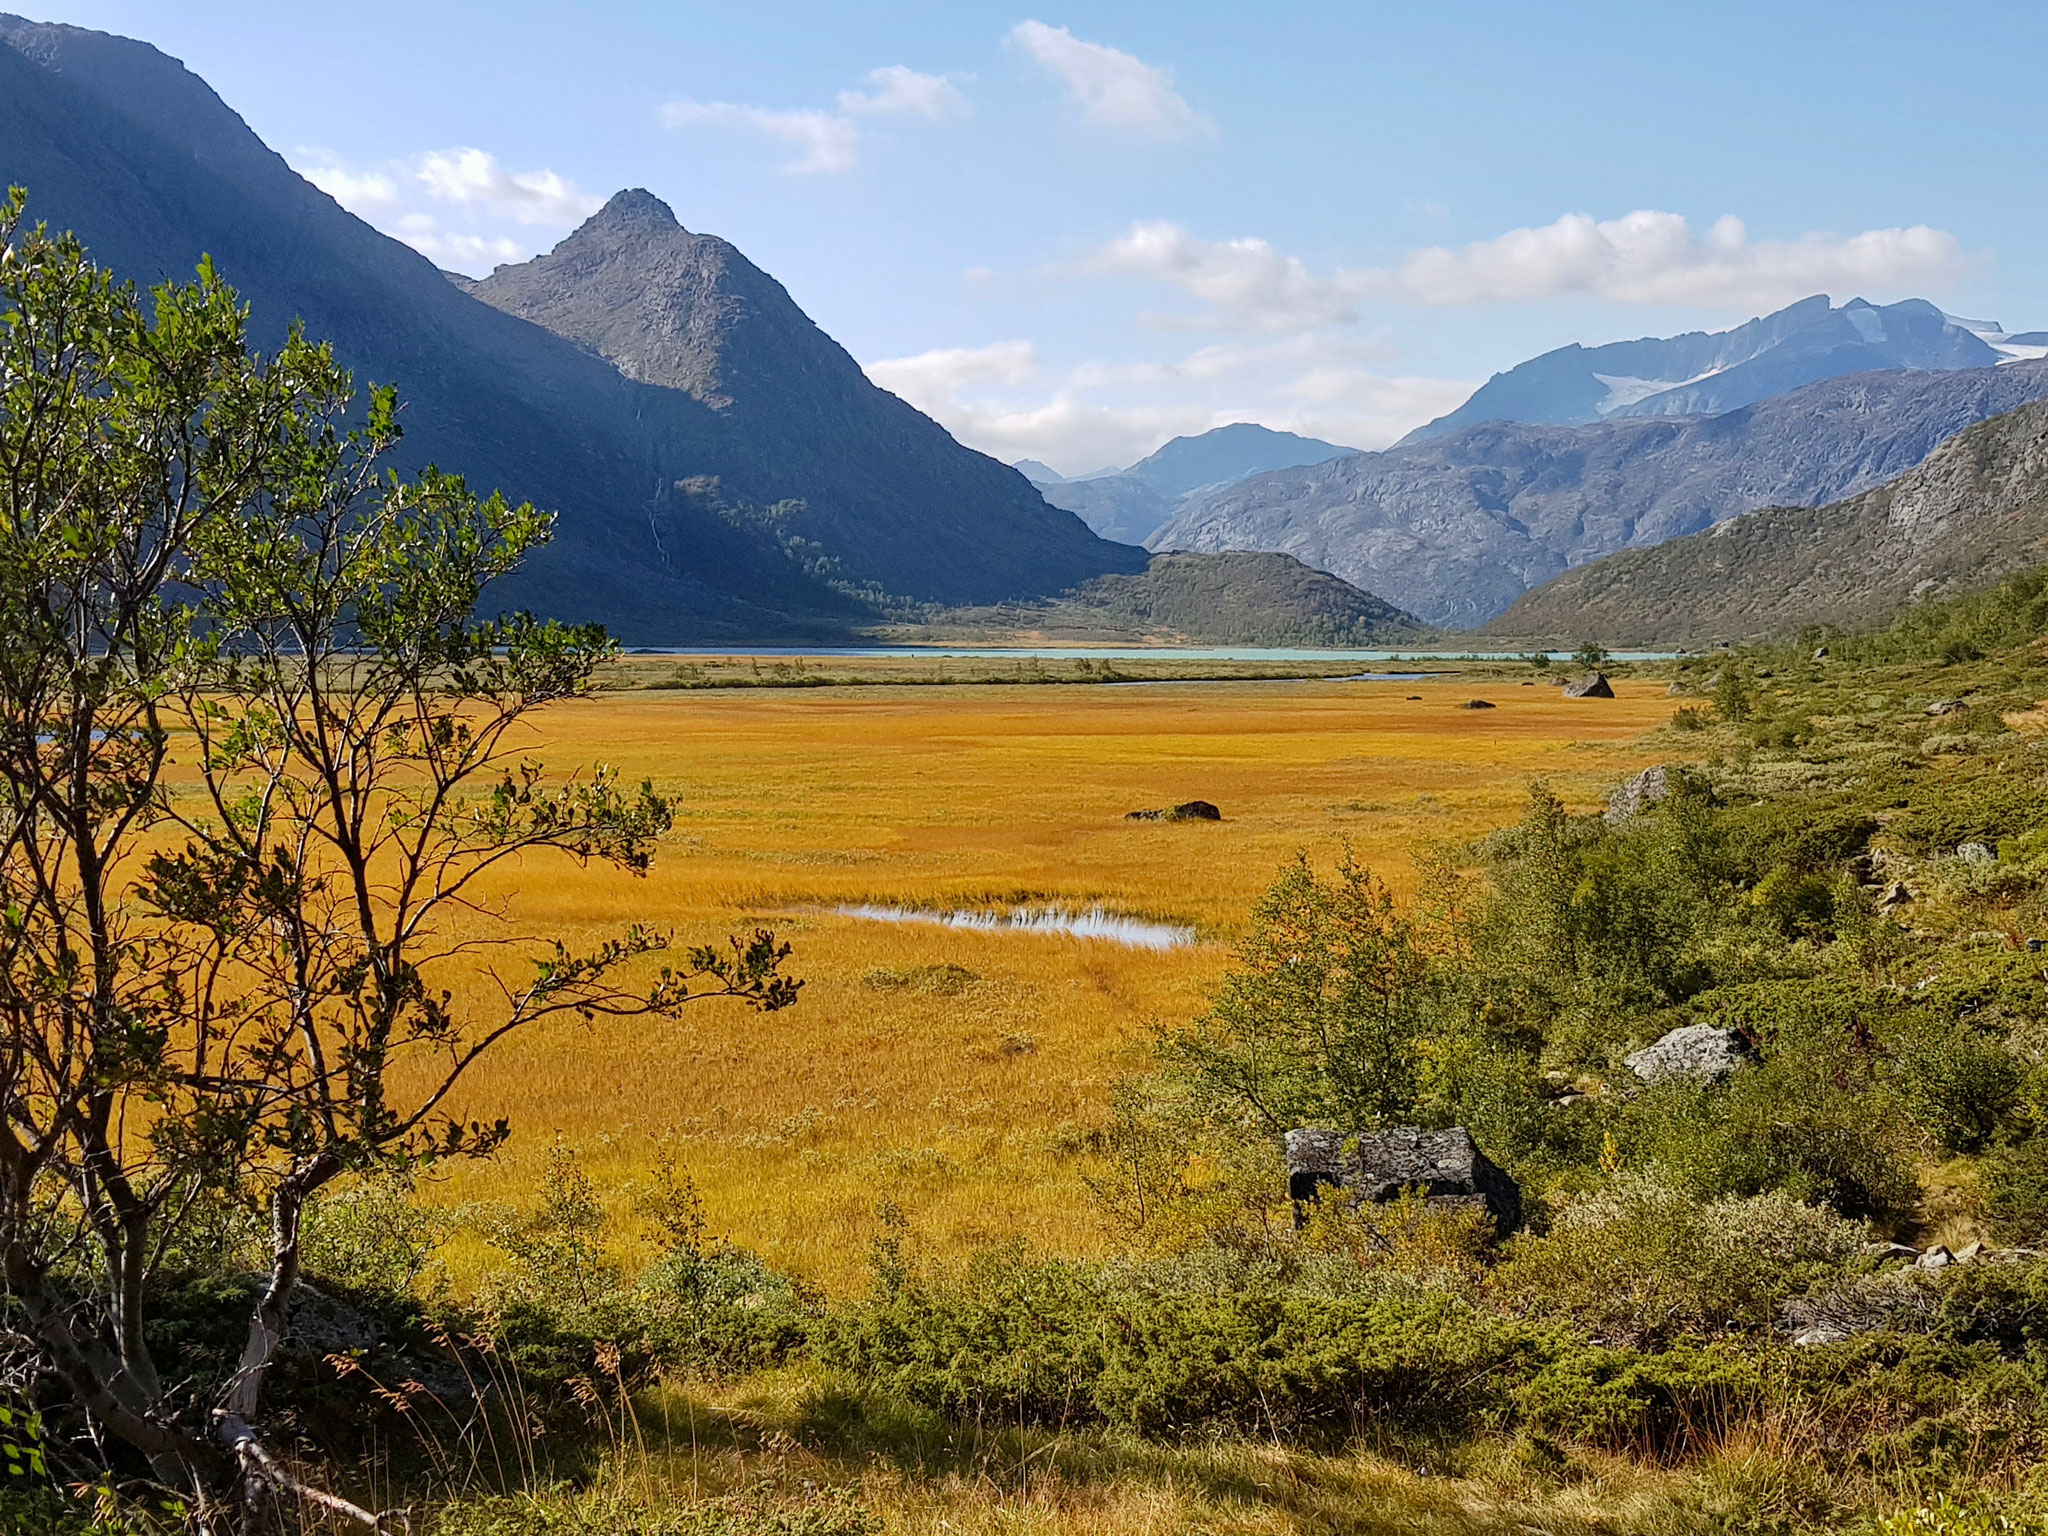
(1638, 794)
(1698, 1052)
(1592, 686)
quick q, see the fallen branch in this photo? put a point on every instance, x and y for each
(261, 1470)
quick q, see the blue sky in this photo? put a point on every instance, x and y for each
(1074, 232)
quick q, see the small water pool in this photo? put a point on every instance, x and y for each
(1089, 923)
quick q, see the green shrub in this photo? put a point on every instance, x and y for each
(1945, 1517)
(1639, 1259)
(1616, 1397)
(2016, 1191)
(1812, 1122)
(1985, 808)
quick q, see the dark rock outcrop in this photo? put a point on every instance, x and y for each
(1477, 704)
(1592, 686)
(1446, 1166)
(1187, 810)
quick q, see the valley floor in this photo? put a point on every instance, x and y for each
(955, 1072)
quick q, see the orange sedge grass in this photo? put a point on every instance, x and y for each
(967, 1100)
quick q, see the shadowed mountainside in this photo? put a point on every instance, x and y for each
(681, 513)
(888, 498)
(1975, 511)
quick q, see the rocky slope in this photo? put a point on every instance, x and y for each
(1706, 372)
(687, 508)
(1975, 511)
(1454, 530)
(886, 494)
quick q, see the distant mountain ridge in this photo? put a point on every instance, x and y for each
(1975, 511)
(1456, 528)
(1712, 372)
(690, 505)
(1132, 504)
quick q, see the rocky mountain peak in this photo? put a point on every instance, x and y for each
(633, 211)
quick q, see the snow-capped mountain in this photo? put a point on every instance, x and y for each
(1707, 372)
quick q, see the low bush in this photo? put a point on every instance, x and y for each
(1640, 1260)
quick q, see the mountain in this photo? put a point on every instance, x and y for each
(1705, 372)
(1975, 511)
(1132, 504)
(1456, 528)
(886, 494)
(1230, 599)
(1247, 599)
(685, 508)
(1228, 453)
(1037, 473)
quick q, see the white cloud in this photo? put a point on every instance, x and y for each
(829, 142)
(1646, 257)
(469, 190)
(930, 380)
(473, 177)
(1246, 283)
(1114, 89)
(826, 143)
(899, 91)
(1003, 400)
(456, 250)
(358, 192)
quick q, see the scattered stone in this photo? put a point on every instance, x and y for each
(1947, 707)
(1886, 1251)
(1821, 654)
(1592, 686)
(1187, 810)
(1639, 793)
(1895, 895)
(1699, 1052)
(1446, 1166)
(2035, 946)
(1935, 1258)
(1970, 1250)
(1975, 853)
(1475, 704)
(1765, 672)
(1676, 689)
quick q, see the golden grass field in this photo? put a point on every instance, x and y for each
(968, 1106)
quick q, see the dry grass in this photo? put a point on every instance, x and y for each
(969, 1107)
(784, 1439)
